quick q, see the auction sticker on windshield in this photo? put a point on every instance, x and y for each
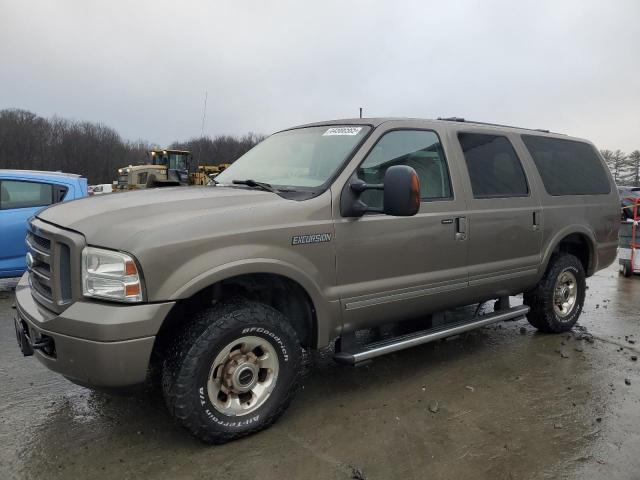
(342, 131)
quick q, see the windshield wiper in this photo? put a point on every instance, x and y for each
(261, 185)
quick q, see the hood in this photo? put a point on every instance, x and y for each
(109, 220)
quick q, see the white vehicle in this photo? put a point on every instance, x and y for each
(100, 189)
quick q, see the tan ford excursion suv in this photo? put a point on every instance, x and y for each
(318, 232)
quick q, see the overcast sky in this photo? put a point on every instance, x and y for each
(142, 67)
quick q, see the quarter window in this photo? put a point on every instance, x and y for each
(419, 149)
(494, 168)
(567, 167)
(17, 194)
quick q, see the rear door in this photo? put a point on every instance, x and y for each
(19, 200)
(505, 217)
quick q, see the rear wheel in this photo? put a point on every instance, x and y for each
(556, 302)
(626, 269)
(233, 372)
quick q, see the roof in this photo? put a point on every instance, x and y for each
(456, 123)
(38, 175)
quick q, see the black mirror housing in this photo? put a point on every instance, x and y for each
(401, 191)
(401, 197)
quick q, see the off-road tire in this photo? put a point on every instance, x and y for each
(542, 314)
(188, 361)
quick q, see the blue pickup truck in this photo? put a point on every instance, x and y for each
(22, 194)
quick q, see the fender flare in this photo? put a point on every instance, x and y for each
(553, 243)
(327, 313)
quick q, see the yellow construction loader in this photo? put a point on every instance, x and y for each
(205, 173)
(166, 168)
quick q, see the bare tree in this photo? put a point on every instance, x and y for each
(220, 149)
(94, 150)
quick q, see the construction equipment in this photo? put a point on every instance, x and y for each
(205, 173)
(165, 168)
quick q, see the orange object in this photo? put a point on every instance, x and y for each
(132, 289)
(130, 268)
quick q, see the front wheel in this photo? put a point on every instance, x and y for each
(233, 372)
(557, 300)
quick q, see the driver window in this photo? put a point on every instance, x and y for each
(418, 149)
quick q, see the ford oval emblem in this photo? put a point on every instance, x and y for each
(29, 260)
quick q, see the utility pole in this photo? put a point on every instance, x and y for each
(204, 113)
(204, 116)
(360, 112)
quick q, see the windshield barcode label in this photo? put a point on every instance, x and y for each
(342, 131)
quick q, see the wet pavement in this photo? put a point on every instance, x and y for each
(500, 402)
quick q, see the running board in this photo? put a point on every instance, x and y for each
(391, 345)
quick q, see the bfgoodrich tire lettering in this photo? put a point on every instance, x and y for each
(187, 371)
(545, 300)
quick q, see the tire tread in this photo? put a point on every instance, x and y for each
(182, 363)
(540, 299)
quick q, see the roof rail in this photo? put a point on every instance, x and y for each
(453, 119)
(460, 119)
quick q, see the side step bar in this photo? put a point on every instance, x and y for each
(383, 347)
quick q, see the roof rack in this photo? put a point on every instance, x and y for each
(462, 120)
(453, 119)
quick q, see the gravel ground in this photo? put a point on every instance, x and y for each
(500, 402)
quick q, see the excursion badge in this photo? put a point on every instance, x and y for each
(314, 238)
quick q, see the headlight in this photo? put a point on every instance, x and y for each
(110, 275)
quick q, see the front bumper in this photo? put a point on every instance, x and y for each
(93, 343)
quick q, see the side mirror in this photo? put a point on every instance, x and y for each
(401, 191)
(401, 197)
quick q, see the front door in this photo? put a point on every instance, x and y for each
(390, 268)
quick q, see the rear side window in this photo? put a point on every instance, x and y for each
(567, 167)
(494, 168)
(17, 194)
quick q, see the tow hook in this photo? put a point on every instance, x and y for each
(44, 344)
(27, 347)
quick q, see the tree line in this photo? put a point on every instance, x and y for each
(625, 168)
(94, 150)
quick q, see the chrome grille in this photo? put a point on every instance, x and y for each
(41, 242)
(40, 265)
(53, 259)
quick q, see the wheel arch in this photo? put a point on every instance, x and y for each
(276, 283)
(576, 240)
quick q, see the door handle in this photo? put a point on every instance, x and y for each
(461, 228)
(536, 221)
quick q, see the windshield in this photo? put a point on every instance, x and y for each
(173, 161)
(178, 161)
(302, 158)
